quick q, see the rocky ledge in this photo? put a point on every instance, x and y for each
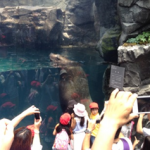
(135, 59)
(30, 25)
(37, 26)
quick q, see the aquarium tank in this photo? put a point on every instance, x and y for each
(49, 55)
(55, 51)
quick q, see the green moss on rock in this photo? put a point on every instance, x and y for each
(109, 44)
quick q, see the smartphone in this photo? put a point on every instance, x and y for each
(37, 116)
(142, 105)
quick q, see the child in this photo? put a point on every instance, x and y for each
(79, 124)
(94, 116)
(62, 132)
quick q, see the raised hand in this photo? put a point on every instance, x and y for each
(31, 110)
(119, 107)
(37, 123)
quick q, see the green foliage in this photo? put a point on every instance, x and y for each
(142, 38)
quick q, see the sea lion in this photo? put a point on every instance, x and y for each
(73, 82)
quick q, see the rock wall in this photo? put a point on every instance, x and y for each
(109, 29)
(79, 27)
(123, 20)
(48, 23)
(135, 59)
(134, 17)
(28, 25)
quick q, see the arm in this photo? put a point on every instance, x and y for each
(118, 112)
(55, 132)
(36, 139)
(31, 110)
(73, 121)
(139, 124)
(86, 141)
(6, 134)
(135, 142)
(105, 136)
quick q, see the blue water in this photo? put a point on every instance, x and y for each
(19, 67)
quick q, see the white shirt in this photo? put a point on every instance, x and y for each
(78, 128)
(146, 132)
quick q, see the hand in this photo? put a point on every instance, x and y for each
(31, 110)
(91, 125)
(6, 134)
(142, 115)
(136, 141)
(37, 123)
(119, 108)
(72, 115)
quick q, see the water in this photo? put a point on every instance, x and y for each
(30, 78)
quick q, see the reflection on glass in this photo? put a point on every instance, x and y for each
(50, 82)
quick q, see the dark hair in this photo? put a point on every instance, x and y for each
(22, 139)
(93, 109)
(117, 133)
(65, 127)
(69, 110)
(81, 121)
(146, 144)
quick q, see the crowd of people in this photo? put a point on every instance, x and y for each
(76, 130)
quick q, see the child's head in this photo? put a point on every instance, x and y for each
(65, 119)
(64, 123)
(94, 108)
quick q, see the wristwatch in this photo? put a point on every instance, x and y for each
(87, 131)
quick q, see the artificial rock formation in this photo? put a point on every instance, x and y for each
(27, 25)
(134, 17)
(49, 23)
(109, 29)
(135, 59)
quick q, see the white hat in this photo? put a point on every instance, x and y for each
(62, 71)
(79, 110)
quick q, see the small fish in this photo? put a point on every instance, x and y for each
(75, 95)
(3, 36)
(87, 75)
(3, 95)
(8, 105)
(51, 107)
